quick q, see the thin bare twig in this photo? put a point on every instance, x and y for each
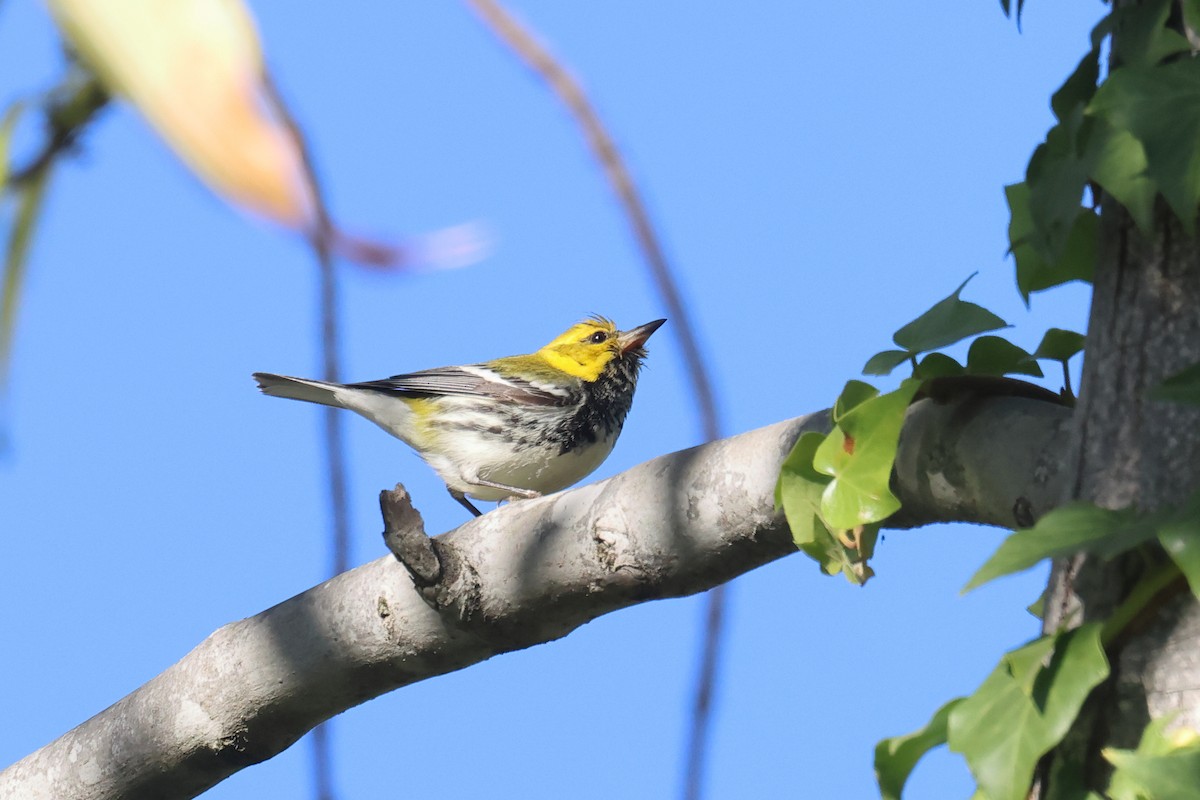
(69, 109)
(321, 238)
(534, 53)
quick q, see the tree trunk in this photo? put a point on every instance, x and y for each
(1129, 450)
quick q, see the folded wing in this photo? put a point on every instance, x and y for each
(471, 381)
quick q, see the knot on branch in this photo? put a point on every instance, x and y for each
(404, 535)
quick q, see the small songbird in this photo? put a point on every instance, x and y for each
(516, 427)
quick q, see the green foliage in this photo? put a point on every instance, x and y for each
(1069, 529)
(950, 320)
(798, 493)
(1059, 345)
(1159, 105)
(834, 489)
(858, 455)
(1162, 768)
(1025, 707)
(896, 757)
(937, 365)
(1134, 135)
(1179, 534)
(995, 355)
(1083, 527)
(1035, 271)
(884, 362)
(1182, 387)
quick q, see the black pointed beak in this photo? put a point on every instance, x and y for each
(636, 337)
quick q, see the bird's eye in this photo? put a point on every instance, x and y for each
(599, 337)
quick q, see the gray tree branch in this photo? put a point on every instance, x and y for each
(527, 573)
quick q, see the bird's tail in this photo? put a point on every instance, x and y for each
(299, 389)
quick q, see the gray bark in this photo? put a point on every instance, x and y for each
(1129, 450)
(526, 573)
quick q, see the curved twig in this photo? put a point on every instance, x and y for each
(525, 44)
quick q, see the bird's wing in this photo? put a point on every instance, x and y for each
(470, 381)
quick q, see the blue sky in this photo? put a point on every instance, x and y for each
(820, 173)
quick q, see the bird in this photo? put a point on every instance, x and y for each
(515, 427)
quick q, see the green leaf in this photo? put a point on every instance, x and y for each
(1023, 709)
(1174, 776)
(949, 321)
(799, 489)
(937, 365)
(1007, 6)
(798, 493)
(1078, 89)
(1155, 741)
(858, 455)
(896, 757)
(1142, 39)
(1078, 665)
(854, 394)
(1118, 164)
(1034, 272)
(995, 355)
(1059, 345)
(1068, 529)
(996, 730)
(883, 363)
(1180, 537)
(1191, 14)
(1056, 177)
(1182, 387)
(1160, 106)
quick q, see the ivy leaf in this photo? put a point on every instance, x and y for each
(798, 493)
(937, 365)
(799, 489)
(1059, 345)
(1118, 164)
(1180, 537)
(1182, 387)
(1023, 709)
(1160, 106)
(858, 455)
(1068, 529)
(1056, 177)
(949, 321)
(995, 355)
(854, 394)
(896, 757)
(883, 363)
(1034, 272)
(1126, 784)
(1142, 38)
(1168, 777)
(1078, 665)
(1078, 89)
(1191, 14)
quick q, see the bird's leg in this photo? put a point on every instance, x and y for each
(464, 502)
(515, 491)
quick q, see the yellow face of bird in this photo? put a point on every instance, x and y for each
(585, 349)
